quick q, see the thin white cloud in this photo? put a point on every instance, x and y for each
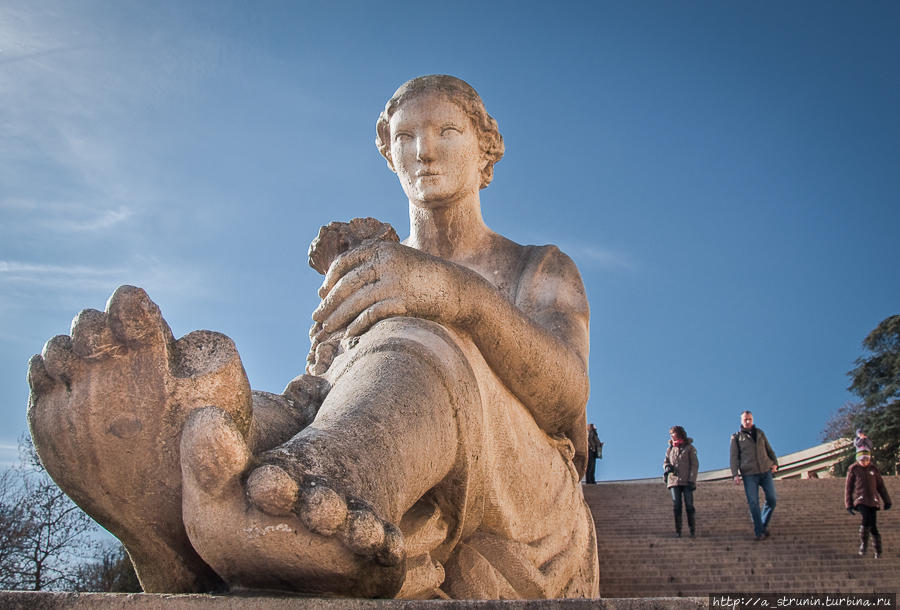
(103, 219)
(17, 269)
(18, 204)
(25, 277)
(586, 255)
(603, 257)
(26, 214)
(70, 97)
(28, 285)
(60, 290)
(26, 282)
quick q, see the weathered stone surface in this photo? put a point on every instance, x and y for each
(335, 238)
(41, 600)
(434, 449)
(106, 410)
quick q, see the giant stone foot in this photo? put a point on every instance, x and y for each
(260, 529)
(106, 411)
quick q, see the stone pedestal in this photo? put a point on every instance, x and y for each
(44, 600)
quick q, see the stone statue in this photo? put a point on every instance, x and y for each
(433, 449)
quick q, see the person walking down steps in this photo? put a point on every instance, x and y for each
(680, 468)
(595, 452)
(754, 462)
(861, 493)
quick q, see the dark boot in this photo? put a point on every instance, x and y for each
(863, 539)
(876, 538)
(678, 524)
(691, 524)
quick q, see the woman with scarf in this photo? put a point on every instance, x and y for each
(680, 468)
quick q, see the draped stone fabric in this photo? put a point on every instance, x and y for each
(510, 520)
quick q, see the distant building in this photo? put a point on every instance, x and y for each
(813, 463)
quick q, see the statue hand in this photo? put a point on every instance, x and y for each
(384, 280)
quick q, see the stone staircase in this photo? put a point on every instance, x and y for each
(812, 547)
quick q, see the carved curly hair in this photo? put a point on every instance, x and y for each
(460, 93)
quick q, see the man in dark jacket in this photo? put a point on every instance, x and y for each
(754, 462)
(595, 452)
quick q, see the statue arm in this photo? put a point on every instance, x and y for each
(538, 346)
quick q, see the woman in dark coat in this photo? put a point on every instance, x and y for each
(680, 467)
(861, 493)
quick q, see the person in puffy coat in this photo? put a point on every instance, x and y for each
(861, 493)
(680, 468)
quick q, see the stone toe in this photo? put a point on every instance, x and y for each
(364, 533)
(213, 452)
(272, 490)
(321, 509)
(392, 551)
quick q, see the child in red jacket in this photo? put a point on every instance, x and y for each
(861, 493)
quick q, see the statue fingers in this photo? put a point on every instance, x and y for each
(134, 318)
(59, 358)
(349, 284)
(39, 380)
(381, 310)
(315, 329)
(339, 315)
(92, 336)
(343, 264)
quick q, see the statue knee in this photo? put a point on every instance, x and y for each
(427, 342)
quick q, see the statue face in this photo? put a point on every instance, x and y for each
(435, 151)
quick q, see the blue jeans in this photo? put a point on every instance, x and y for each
(752, 483)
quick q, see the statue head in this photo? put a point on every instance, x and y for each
(460, 93)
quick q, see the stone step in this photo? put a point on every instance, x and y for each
(812, 548)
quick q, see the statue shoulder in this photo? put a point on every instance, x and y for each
(550, 277)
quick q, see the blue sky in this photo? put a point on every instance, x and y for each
(725, 175)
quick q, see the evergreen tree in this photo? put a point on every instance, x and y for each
(876, 381)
